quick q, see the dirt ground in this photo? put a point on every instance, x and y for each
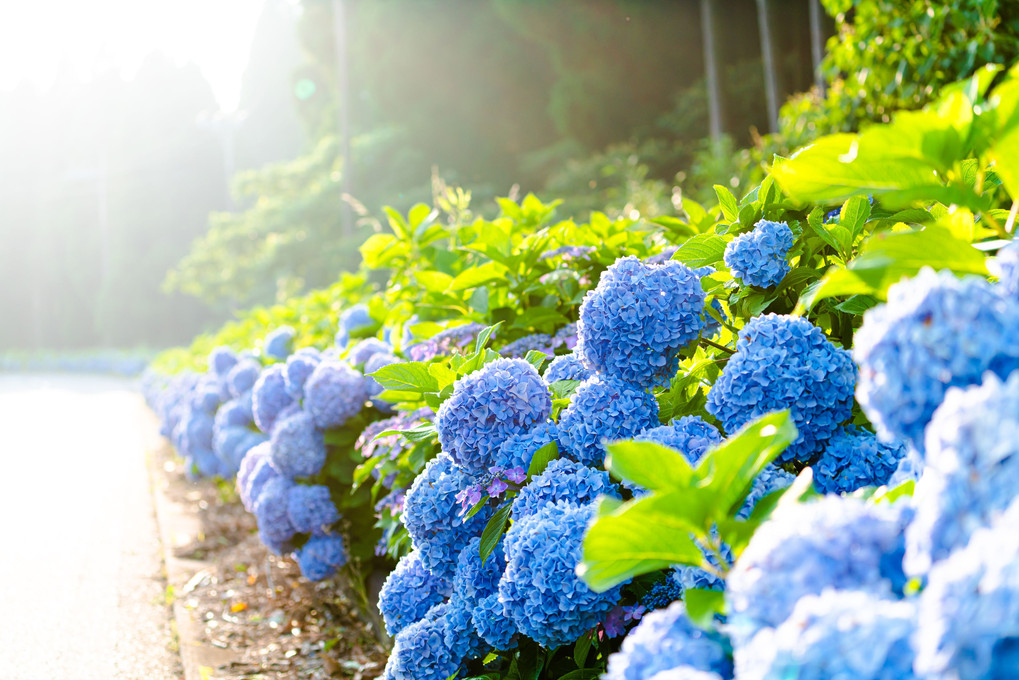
(256, 604)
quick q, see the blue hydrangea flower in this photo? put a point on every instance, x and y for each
(690, 435)
(519, 449)
(769, 481)
(461, 636)
(409, 592)
(567, 367)
(321, 556)
(334, 393)
(278, 342)
(255, 470)
(209, 395)
(835, 634)
(663, 593)
(968, 616)
(474, 580)
(834, 542)
(269, 397)
(221, 360)
(568, 253)
(972, 469)
(298, 447)
(366, 349)
(853, 459)
(310, 508)
(242, 376)
(566, 337)
(352, 320)
(667, 639)
(758, 258)
(935, 332)
(420, 651)
(662, 257)
(604, 409)
(230, 445)
(274, 527)
(493, 623)
(635, 322)
(540, 588)
(538, 342)
(503, 398)
(431, 515)
(1005, 265)
(562, 480)
(234, 413)
(298, 369)
(785, 362)
(444, 342)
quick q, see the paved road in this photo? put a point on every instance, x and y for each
(81, 574)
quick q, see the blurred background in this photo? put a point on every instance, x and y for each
(164, 165)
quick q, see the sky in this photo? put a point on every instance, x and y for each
(95, 35)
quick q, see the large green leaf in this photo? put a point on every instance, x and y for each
(648, 464)
(479, 276)
(701, 250)
(410, 376)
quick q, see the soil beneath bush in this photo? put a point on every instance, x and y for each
(256, 604)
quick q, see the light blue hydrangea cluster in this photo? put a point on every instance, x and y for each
(235, 413)
(321, 557)
(537, 342)
(566, 337)
(493, 623)
(278, 343)
(504, 398)
(254, 472)
(518, 449)
(364, 350)
(444, 342)
(242, 377)
(567, 367)
(562, 480)
(834, 542)
(568, 253)
(663, 593)
(298, 446)
(662, 257)
(853, 459)
(638, 318)
(270, 397)
(936, 331)
(409, 592)
(274, 527)
(972, 469)
(785, 362)
(334, 393)
(759, 257)
(968, 617)
(604, 409)
(221, 360)
(835, 634)
(1006, 267)
(299, 367)
(431, 515)
(690, 435)
(352, 320)
(231, 444)
(540, 588)
(770, 480)
(665, 640)
(459, 633)
(311, 509)
(420, 651)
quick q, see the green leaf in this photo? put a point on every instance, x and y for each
(379, 250)
(484, 336)
(675, 225)
(493, 531)
(703, 605)
(886, 495)
(582, 674)
(729, 469)
(701, 250)
(581, 649)
(561, 389)
(651, 465)
(536, 358)
(410, 376)
(443, 374)
(727, 202)
(421, 433)
(541, 458)
(638, 537)
(434, 282)
(816, 222)
(481, 275)
(364, 470)
(477, 507)
(854, 215)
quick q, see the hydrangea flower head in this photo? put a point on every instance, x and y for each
(334, 393)
(785, 362)
(299, 367)
(366, 349)
(461, 636)
(540, 588)
(567, 367)
(853, 459)
(666, 639)
(562, 480)
(269, 397)
(972, 469)
(474, 580)
(298, 447)
(221, 360)
(503, 398)
(936, 331)
(278, 342)
(635, 322)
(968, 618)
(518, 450)
(604, 409)
(254, 472)
(353, 319)
(758, 258)
(420, 651)
(444, 342)
(834, 634)
(234, 413)
(321, 557)
(409, 592)
(274, 527)
(834, 542)
(690, 435)
(537, 342)
(242, 376)
(431, 515)
(492, 621)
(310, 508)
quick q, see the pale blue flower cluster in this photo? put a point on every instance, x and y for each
(518, 449)
(254, 472)
(298, 446)
(364, 350)
(604, 409)
(274, 527)
(221, 360)
(567, 367)
(537, 342)
(270, 397)
(504, 398)
(1006, 266)
(562, 480)
(690, 435)
(759, 257)
(444, 342)
(540, 588)
(311, 509)
(242, 376)
(665, 640)
(299, 367)
(855, 458)
(420, 651)
(635, 322)
(409, 592)
(785, 362)
(936, 331)
(352, 320)
(278, 343)
(334, 393)
(321, 557)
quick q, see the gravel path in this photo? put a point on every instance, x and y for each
(81, 579)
